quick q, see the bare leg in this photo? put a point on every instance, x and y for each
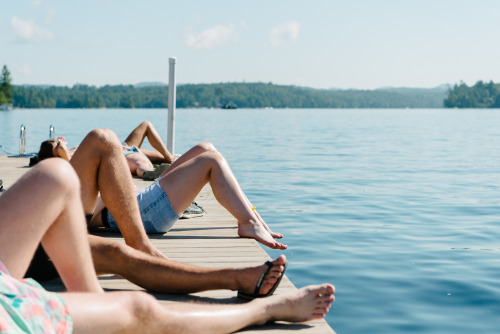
(168, 276)
(308, 303)
(55, 216)
(211, 167)
(134, 312)
(155, 156)
(101, 166)
(147, 130)
(192, 153)
(273, 234)
(209, 147)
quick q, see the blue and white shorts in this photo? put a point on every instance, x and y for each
(157, 214)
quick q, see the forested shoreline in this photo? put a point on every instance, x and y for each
(243, 95)
(481, 95)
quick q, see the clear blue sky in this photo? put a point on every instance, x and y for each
(361, 44)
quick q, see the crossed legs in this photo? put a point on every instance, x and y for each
(98, 162)
(204, 164)
(57, 220)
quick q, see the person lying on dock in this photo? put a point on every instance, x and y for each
(181, 183)
(101, 166)
(140, 161)
(56, 219)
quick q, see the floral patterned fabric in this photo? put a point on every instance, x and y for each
(25, 307)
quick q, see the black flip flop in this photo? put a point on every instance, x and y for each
(255, 294)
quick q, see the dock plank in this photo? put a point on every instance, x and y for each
(208, 241)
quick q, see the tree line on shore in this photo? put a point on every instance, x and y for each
(480, 95)
(243, 95)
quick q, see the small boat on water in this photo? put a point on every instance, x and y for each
(5, 107)
(230, 105)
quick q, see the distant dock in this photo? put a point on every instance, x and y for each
(208, 241)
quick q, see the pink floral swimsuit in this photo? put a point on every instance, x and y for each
(26, 307)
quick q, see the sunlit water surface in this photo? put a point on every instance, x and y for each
(398, 208)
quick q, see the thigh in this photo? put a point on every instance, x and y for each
(184, 183)
(136, 137)
(192, 153)
(86, 163)
(153, 155)
(27, 210)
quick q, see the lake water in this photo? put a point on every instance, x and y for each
(398, 208)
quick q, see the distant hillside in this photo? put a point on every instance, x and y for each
(244, 95)
(258, 95)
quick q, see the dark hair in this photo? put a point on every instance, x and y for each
(45, 152)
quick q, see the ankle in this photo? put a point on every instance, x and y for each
(250, 222)
(241, 276)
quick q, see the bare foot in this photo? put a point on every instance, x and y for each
(258, 232)
(273, 234)
(308, 303)
(251, 276)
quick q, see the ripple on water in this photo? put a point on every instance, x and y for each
(397, 208)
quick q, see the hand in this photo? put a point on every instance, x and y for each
(61, 149)
(155, 252)
(62, 141)
(148, 248)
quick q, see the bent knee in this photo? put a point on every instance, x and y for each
(108, 249)
(207, 147)
(147, 124)
(60, 173)
(214, 158)
(103, 136)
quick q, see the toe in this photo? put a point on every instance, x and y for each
(280, 246)
(327, 289)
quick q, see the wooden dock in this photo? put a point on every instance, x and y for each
(208, 241)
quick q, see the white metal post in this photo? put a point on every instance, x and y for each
(171, 105)
(22, 140)
(52, 132)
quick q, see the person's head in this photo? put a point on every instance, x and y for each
(47, 150)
